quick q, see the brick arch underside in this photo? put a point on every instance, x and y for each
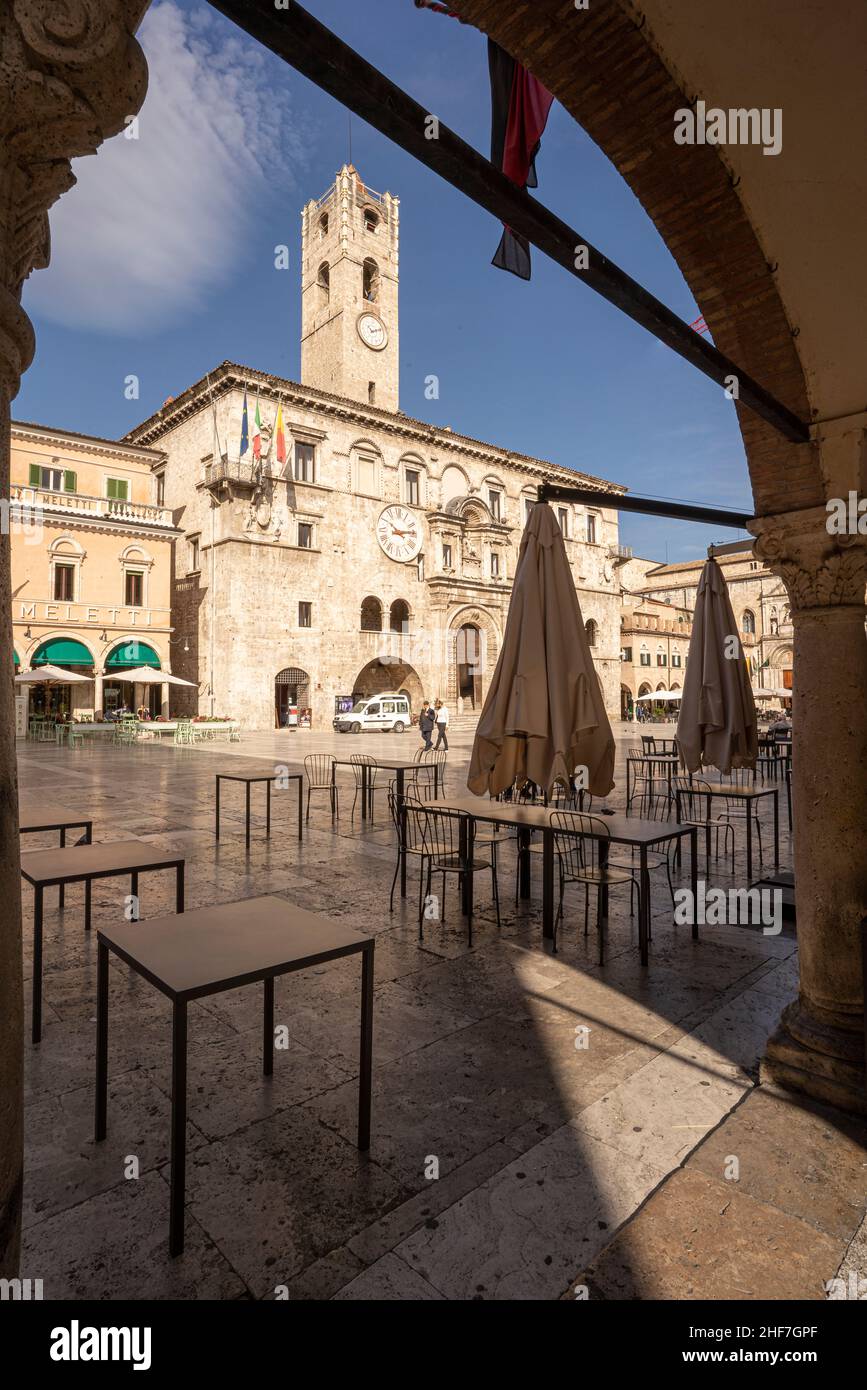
(604, 71)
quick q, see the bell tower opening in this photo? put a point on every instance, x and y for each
(349, 292)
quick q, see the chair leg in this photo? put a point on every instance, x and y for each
(496, 886)
(394, 881)
(421, 907)
(352, 812)
(307, 817)
(586, 909)
(600, 925)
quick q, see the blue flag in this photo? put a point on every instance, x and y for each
(245, 429)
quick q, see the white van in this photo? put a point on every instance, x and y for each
(389, 712)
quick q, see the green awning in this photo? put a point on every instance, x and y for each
(130, 654)
(16, 658)
(62, 651)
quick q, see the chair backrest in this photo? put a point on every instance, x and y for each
(742, 776)
(577, 853)
(358, 761)
(441, 831)
(694, 806)
(648, 743)
(318, 769)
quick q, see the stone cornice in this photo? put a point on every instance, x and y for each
(231, 376)
(24, 431)
(819, 570)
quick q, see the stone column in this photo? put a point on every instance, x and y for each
(819, 1045)
(97, 692)
(70, 74)
(164, 699)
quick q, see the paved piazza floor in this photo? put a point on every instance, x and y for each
(606, 1166)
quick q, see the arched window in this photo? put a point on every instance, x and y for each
(371, 220)
(323, 280)
(323, 226)
(592, 630)
(371, 615)
(775, 622)
(399, 616)
(749, 621)
(370, 281)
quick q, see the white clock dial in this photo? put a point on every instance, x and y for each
(399, 534)
(371, 330)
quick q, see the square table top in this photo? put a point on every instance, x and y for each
(624, 830)
(218, 948)
(267, 774)
(653, 758)
(392, 764)
(38, 814)
(78, 862)
(731, 791)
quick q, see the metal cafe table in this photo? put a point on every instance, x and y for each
(747, 796)
(44, 868)
(207, 952)
(399, 766)
(622, 830)
(35, 814)
(248, 778)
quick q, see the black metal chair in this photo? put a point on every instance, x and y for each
(414, 837)
(579, 842)
(736, 811)
(642, 778)
(445, 840)
(359, 761)
(695, 805)
(319, 769)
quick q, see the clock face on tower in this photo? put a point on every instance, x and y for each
(399, 534)
(371, 331)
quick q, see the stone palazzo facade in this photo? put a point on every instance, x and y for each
(380, 553)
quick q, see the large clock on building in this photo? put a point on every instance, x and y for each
(371, 331)
(399, 534)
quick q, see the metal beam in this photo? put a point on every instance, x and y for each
(648, 506)
(320, 55)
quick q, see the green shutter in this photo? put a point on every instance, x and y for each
(35, 475)
(111, 489)
(118, 490)
(70, 482)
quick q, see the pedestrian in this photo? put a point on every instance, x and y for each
(426, 723)
(442, 722)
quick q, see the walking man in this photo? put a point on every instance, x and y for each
(442, 721)
(426, 723)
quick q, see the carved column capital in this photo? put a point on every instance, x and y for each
(818, 568)
(70, 73)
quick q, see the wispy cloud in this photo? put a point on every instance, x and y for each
(159, 222)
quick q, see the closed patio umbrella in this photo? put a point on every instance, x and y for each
(717, 724)
(544, 715)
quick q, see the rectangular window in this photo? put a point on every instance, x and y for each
(675, 658)
(495, 565)
(305, 535)
(161, 489)
(305, 615)
(305, 456)
(591, 530)
(117, 489)
(563, 518)
(64, 583)
(529, 504)
(194, 553)
(53, 479)
(645, 658)
(412, 487)
(495, 504)
(626, 654)
(134, 595)
(368, 475)
(447, 556)
(661, 659)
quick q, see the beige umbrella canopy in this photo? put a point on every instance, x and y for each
(51, 675)
(717, 724)
(544, 715)
(149, 675)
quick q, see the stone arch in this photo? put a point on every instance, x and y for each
(581, 64)
(371, 614)
(381, 674)
(454, 483)
(482, 652)
(291, 689)
(399, 616)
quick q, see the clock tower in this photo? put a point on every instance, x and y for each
(349, 278)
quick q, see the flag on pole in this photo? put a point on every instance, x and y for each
(279, 436)
(257, 432)
(519, 112)
(245, 428)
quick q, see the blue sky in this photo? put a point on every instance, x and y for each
(163, 265)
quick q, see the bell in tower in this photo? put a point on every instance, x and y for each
(349, 278)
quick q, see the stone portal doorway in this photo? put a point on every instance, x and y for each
(469, 659)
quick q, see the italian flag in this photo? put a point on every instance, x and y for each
(279, 436)
(257, 433)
